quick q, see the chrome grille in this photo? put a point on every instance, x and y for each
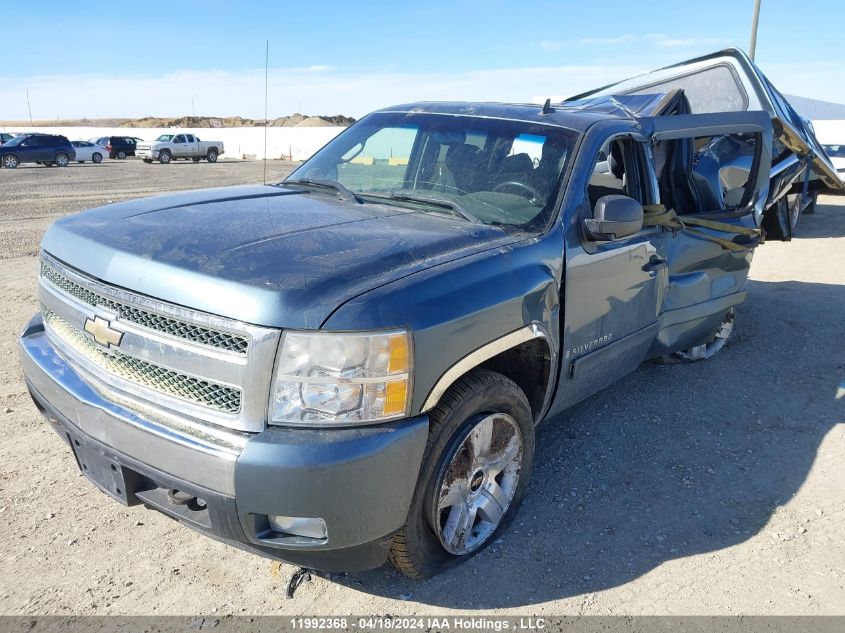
(203, 392)
(160, 323)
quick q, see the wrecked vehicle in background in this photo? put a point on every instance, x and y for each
(349, 366)
(728, 81)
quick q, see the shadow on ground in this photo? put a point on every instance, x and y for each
(827, 221)
(671, 462)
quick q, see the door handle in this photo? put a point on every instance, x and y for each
(654, 264)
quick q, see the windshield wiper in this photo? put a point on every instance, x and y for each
(342, 192)
(436, 202)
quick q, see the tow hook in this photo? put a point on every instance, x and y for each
(177, 497)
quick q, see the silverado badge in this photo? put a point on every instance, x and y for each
(100, 329)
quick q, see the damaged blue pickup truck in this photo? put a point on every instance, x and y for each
(349, 366)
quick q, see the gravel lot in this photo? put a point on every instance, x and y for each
(714, 488)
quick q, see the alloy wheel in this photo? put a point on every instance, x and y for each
(478, 483)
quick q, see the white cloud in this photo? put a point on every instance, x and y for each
(317, 91)
(611, 41)
(326, 90)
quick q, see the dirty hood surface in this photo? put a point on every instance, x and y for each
(260, 254)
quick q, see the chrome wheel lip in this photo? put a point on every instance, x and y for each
(478, 483)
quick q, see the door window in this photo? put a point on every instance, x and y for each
(706, 173)
(180, 138)
(617, 171)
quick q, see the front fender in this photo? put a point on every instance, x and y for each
(456, 308)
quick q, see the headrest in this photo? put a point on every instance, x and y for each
(616, 160)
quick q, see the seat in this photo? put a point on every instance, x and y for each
(464, 166)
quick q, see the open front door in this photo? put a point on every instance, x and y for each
(712, 170)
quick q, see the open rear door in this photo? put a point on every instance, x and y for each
(713, 182)
(728, 81)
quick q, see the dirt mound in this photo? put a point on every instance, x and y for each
(314, 121)
(293, 120)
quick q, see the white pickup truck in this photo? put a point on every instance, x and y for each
(168, 147)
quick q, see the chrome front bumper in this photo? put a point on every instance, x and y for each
(359, 481)
(207, 461)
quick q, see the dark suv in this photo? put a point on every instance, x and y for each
(46, 149)
(117, 146)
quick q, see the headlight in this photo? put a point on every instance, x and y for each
(341, 379)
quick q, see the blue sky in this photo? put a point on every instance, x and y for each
(100, 58)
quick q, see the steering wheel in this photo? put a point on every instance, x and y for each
(524, 189)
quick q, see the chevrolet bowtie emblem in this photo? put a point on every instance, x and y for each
(102, 332)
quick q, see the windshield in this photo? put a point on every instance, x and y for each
(164, 138)
(494, 171)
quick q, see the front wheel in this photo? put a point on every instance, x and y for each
(164, 157)
(121, 155)
(10, 161)
(474, 474)
(211, 157)
(97, 158)
(62, 159)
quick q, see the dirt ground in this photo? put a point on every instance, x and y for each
(714, 488)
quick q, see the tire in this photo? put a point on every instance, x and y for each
(211, 157)
(811, 208)
(121, 155)
(164, 157)
(97, 157)
(149, 161)
(707, 350)
(10, 161)
(429, 542)
(62, 159)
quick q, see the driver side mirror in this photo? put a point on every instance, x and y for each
(614, 217)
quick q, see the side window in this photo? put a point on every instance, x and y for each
(382, 162)
(617, 170)
(709, 173)
(180, 138)
(189, 138)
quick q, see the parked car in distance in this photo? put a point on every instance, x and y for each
(168, 147)
(5, 136)
(86, 150)
(836, 153)
(46, 149)
(118, 147)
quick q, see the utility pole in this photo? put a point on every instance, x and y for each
(29, 107)
(753, 46)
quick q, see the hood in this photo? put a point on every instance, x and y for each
(260, 254)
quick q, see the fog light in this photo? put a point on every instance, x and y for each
(299, 526)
